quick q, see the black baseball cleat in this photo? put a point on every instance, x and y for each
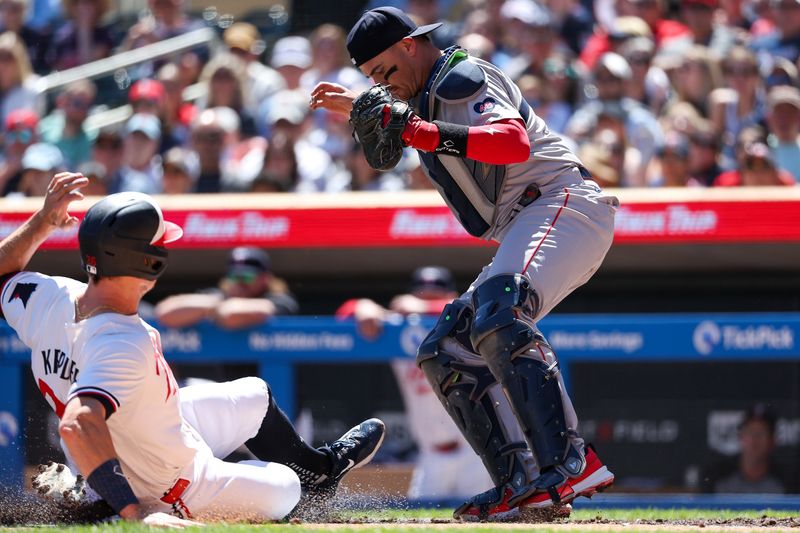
(352, 450)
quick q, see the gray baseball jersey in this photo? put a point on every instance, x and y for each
(468, 91)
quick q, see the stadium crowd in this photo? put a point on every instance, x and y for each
(651, 92)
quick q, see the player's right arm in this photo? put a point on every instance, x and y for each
(333, 97)
(18, 248)
(85, 433)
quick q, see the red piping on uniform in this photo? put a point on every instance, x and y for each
(566, 199)
(544, 357)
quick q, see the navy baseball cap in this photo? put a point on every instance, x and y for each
(380, 28)
(432, 277)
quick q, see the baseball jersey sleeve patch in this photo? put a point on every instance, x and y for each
(108, 400)
(22, 291)
(485, 106)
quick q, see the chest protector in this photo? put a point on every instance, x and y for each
(470, 188)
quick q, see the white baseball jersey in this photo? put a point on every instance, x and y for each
(114, 358)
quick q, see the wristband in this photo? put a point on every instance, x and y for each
(452, 139)
(108, 481)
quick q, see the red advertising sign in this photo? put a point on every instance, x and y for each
(426, 225)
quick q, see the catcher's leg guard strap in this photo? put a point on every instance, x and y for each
(454, 322)
(509, 347)
(462, 389)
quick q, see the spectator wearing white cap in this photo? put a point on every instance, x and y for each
(289, 115)
(291, 57)
(642, 130)
(141, 167)
(39, 163)
(181, 170)
(783, 119)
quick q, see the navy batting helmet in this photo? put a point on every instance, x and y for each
(124, 235)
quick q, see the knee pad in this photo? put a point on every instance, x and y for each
(510, 347)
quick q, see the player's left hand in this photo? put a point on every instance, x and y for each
(169, 521)
(64, 189)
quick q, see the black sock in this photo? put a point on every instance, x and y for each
(277, 441)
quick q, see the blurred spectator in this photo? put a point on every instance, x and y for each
(598, 161)
(649, 84)
(752, 471)
(537, 40)
(783, 119)
(13, 14)
(209, 139)
(628, 24)
(573, 21)
(279, 172)
(696, 76)
(758, 170)
(699, 16)
(248, 295)
(227, 163)
(477, 45)
(671, 167)
(703, 161)
(21, 132)
(359, 176)
(446, 466)
(330, 63)
(181, 169)
(65, 126)
(784, 40)
(82, 38)
(107, 151)
(641, 129)
(429, 12)
(163, 20)
(17, 81)
(39, 163)
(291, 57)
(244, 41)
(178, 114)
(97, 176)
(224, 77)
(141, 168)
(149, 97)
(289, 115)
(740, 104)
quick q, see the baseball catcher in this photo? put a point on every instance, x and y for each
(507, 178)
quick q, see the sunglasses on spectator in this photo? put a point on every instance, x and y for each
(243, 278)
(740, 72)
(108, 144)
(208, 136)
(79, 103)
(6, 57)
(606, 78)
(757, 164)
(20, 136)
(639, 59)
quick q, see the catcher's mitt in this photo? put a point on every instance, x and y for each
(378, 121)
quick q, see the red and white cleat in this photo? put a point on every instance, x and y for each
(596, 477)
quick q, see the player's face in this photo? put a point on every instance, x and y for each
(394, 67)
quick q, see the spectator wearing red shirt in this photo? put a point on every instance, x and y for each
(757, 170)
(652, 12)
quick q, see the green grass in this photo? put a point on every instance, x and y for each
(425, 515)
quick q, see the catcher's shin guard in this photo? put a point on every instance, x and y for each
(510, 347)
(463, 390)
